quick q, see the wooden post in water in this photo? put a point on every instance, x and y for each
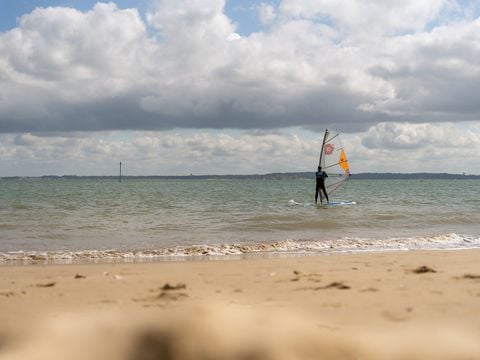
(120, 177)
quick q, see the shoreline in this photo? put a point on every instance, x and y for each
(237, 251)
(380, 302)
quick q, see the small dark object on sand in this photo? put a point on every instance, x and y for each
(337, 285)
(50, 284)
(423, 269)
(80, 276)
(471, 276)
(179, 286)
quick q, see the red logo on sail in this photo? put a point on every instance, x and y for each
(329, 149)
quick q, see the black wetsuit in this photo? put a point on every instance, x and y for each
(321, 176)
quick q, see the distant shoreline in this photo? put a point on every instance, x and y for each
(269, 176)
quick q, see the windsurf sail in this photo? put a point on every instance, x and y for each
(334, 162)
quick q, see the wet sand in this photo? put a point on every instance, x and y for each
(390, 305)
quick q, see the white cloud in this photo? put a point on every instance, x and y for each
(63, 45)
(385, 147)
(233, 37)
(157, 153)
(413, 136)
(366, 18)
(267, 13)
(432, 75)
(404, 147)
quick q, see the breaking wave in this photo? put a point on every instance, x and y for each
(227, 251)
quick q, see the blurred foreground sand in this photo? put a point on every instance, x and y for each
(397, 305)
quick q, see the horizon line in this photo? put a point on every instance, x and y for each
(372, 173)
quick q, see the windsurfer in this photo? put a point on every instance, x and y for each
(321, 176)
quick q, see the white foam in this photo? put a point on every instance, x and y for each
(289, 246)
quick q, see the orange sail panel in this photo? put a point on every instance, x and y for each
(343, 162)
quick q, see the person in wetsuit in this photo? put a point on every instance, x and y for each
(321, 176)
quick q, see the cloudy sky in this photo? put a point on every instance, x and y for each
(237, 86)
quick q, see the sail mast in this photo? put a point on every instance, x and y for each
(323, 146)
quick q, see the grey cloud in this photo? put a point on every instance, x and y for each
(62, 70)
(258, 111)
(435, 75)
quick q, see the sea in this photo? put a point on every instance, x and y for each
(77, 220)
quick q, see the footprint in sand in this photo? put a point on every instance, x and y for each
(312, 277)
(172, 296)
(397, 316)
(167, 292)
(370, 289)
(333, 285)
(7, 293)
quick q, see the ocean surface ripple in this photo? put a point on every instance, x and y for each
(74, 220)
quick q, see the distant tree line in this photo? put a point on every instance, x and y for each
(400, 176)
(271, 176)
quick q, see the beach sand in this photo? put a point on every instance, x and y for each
(387, 305)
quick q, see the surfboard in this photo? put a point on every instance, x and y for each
(337, 203)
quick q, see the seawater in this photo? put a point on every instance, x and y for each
(101, 219)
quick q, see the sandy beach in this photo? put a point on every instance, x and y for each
(388, 305)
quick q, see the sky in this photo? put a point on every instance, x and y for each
(174, 87)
